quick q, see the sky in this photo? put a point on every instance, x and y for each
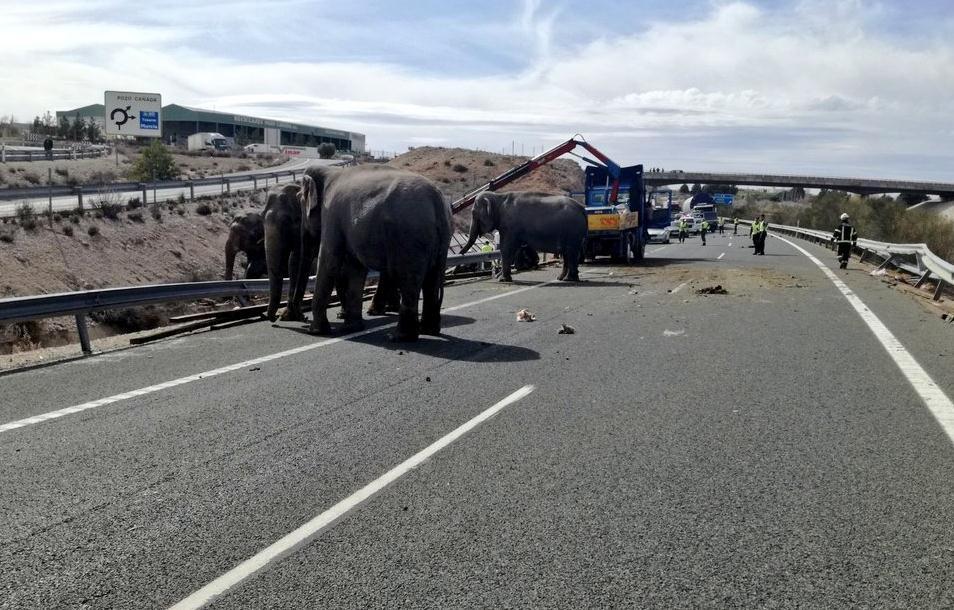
(851, 88)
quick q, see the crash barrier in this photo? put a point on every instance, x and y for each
(927, 265)
(57, 154)
(142, 189)
(82, 302)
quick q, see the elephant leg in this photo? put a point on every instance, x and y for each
(292, 312)
(565, 267)
(341, 288)
(329, 265)
(508, 248)
(408, 328)
(571, 261)
(276, 261)
(386, 297)
(433, 292)
(351, 281)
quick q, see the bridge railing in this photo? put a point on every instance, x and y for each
(80, 303)
(927, 265)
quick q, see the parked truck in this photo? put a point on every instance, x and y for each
(208, 140)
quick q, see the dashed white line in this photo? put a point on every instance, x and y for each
(36, 419)
(720, 256)
(933, 396)
(679, 287)
(307, 532)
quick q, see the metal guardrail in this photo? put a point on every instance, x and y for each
(57, 154)
(927, 264)
(82, 302)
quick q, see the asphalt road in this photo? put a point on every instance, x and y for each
(239, 181)
(754, 449)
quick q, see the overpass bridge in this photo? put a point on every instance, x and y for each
(860, 186)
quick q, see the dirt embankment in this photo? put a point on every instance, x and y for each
(85, 252)
(22, 174)
(456, 171)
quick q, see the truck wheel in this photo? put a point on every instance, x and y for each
(639, 251)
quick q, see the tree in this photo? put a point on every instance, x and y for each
(695, 188)
(912, 198)
(63, 128)
(37, 125)
(326, 150)
(77, 129)
(155, 163)
(684, 189)
(93, 133)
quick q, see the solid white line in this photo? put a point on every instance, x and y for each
(934, 397)
(294, 540)
(720, 256)
(679, 287)
(35, 419)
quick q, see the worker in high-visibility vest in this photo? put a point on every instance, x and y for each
(487, 247)
(759, 233)
(845, 237)
(735, 225)
(683, 229)
(703, 229)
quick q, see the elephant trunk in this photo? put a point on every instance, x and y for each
(472, 238)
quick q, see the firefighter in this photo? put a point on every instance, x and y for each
(683, 229)
(845, 237)
(703, 229)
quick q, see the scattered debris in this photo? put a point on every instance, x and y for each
(879, 272)
(524, 315)
(673, 333)
(427, 379)
(634, 292)
(255, 368)
(400, 352)
(566, 329)
(717, 289)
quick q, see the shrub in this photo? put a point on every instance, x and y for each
(75, 218)
(92, 230)
(131, 319)
(7, 237)
(26, 216)
(102, 177)
(57, 218)
(61, 171)
(108, 209)
(157, 214)
(68, 231)
(180, 211)
(154, 162)
(181, 198)
(133, 203)
(447, 162)
(203, 209)
(31, 178)
(135, 216)
(489, 163)
(244, 167)
(326, 150)
(459, 168)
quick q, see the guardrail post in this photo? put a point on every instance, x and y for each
(294, 176)
(3, 153)
(79, 197)
(142, 187)
(228, 185)
(83, 332)
(191, 190)
(29, 155)
(939, 289)
(921, 279)
(255, 183)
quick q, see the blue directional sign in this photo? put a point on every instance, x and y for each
(148, 120)
(723, 198)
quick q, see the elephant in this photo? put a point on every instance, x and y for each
(381, 218)
(283, 250)
(545, 223)
(246, 234)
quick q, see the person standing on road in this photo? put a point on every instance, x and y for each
(703, 229)
(846, 237)
(683, 229)
(735, 225)
(722, 226)
(759, 233)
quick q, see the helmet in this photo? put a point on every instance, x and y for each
(844, 216)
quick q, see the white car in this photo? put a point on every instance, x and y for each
(659, 235)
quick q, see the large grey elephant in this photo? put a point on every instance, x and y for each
(546, 223)
(283, 250)
(378, 218)
(246, 234)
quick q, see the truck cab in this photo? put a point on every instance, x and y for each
(618, 230)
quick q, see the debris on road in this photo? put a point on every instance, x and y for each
(524, 315)
(717, 289)
(256, 368)
(427, 379)
(879, 272)
(566, 329)
(673, 333)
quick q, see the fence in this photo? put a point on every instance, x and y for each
(81, 303)
(57, 154)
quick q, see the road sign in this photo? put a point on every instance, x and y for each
(723, 198)
(133, 114)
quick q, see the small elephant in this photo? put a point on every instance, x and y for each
(283, 250)
(246, 234)
(379, 218)
(545, 223)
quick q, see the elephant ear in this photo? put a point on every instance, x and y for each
(486, 208)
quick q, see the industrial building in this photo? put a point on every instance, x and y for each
(179, 122)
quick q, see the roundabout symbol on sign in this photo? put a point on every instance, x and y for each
(125, 114)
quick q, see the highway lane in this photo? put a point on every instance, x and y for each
(679, 450)
(239, 181)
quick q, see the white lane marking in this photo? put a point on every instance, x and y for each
(933, 396)
(298, 538)
(657, 250)
(679, 287)
(730, 244)
(20, 423)
(720, 256)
